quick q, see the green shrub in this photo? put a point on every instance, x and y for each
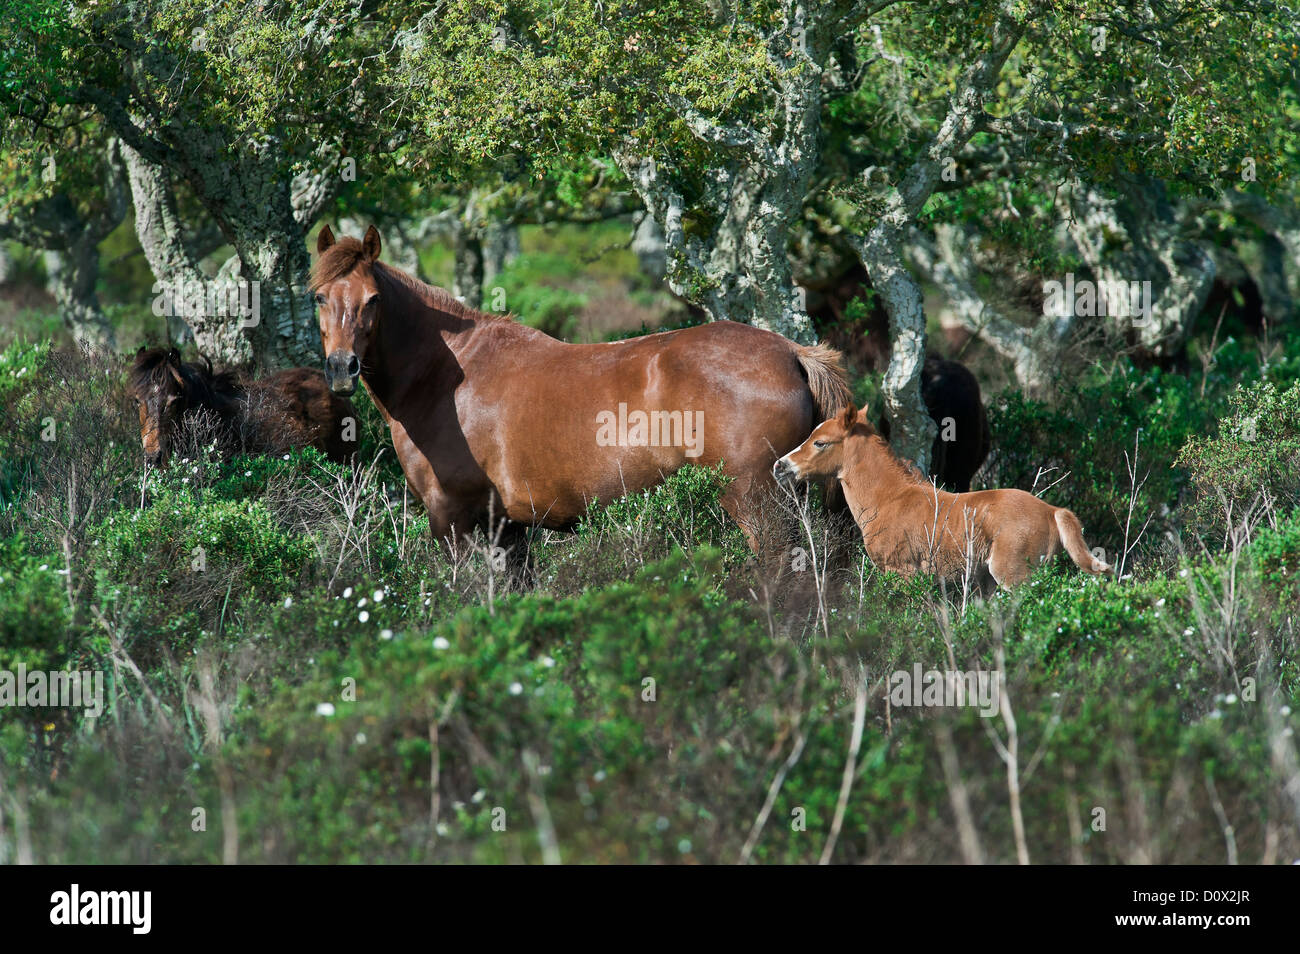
(528, 291)
(34, 622)
(1254, 457)
(1086, 440)
(650, 698)
(613, 539)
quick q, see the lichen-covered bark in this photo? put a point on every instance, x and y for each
(262, 211)
(739, 268)
(947, 262)
(881, 248)
(1137, 238)
(175, 264)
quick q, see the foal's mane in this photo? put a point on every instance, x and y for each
(886, 453)
(347, 254)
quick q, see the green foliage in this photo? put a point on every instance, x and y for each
(1251, 460)
(159, 544)
(528, 290)
(33, 608)
(633, 694)
(614, 538)
(1086, 440)
(364, 679)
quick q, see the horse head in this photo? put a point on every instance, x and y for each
(161, 389)
(822, 454)
(347, 296)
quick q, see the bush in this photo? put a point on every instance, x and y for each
(1254, 458)
(1084, 441)
(614, 539)
(34, 623)
(529, 293)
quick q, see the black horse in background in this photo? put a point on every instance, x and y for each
(952, 396)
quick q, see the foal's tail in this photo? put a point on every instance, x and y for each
(824, 368)
(1071, 532)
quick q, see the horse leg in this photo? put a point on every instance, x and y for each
(450, 522)
(515, 539)
(743, 501)
(1009, 562)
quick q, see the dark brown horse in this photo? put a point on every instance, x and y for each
(491, 416)
(288, 409)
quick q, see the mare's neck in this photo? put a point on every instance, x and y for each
(415, 351)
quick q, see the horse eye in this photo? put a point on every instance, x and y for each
(320, 299)
(819, 444)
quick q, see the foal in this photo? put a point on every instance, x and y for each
(909, 525)
(287, 409)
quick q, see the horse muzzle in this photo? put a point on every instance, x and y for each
(785, 472)
(342, 368)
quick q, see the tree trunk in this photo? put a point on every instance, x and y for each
(912, 430)
(500, 248)
(1180, 271)
(947, 262)
(70, 242)
(73, 274)
(649, 248)
(755, 189)
(263, 314)
(175, 267)
(467, 275)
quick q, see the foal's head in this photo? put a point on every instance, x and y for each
(159, 388)
(347, 295)
(164, 388)
(822, 454)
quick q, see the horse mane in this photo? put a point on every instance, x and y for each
(152, 368)
(902, 468)
(345, 255)
(148, 369)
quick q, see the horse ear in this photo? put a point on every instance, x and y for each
(849, 417)
(371, 244)
(324, 240)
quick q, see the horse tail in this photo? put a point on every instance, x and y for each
(1071, 533)
(823, 366)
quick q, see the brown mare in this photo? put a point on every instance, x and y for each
(291, 408)
(909, 525)
(491, 416)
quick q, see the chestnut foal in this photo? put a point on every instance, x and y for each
(909, 525)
